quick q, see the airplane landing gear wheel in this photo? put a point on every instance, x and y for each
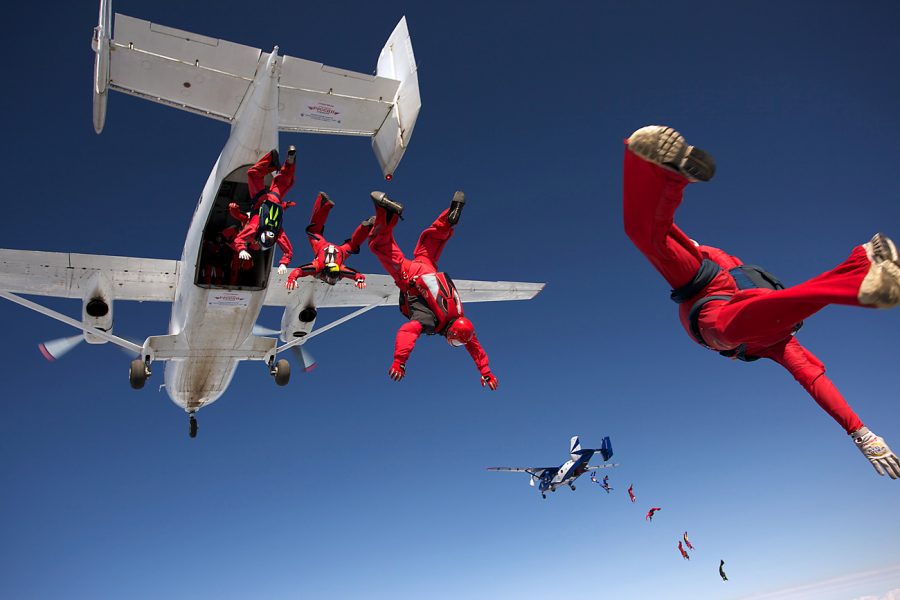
(137, 376)
(573, 487)
(282, 372)
(193, 427)
(544, 496)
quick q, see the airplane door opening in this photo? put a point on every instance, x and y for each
(218, 266)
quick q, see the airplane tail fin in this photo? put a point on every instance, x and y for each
(575, 447)
(606, 448)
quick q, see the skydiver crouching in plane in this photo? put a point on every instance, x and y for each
(265, 225)
(742, 311)
(428, 297)
(328, 264)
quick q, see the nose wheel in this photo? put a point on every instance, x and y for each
(192, 426)
(140, 371)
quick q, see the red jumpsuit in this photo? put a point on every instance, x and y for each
(425, 257)
(321, 207)
(281, 183)
(761, 319)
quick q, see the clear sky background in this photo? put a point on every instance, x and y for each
(347, 485)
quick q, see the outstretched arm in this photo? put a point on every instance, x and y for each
(476, 351)
(356, 276)
(306, 270)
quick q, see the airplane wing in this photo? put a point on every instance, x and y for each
(603, 466)
(380, 289)
(533, 471)
(210, 77)
(70, 275)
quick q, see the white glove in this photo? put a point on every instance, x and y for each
(877, 452)
(244, 255)
(282, 269)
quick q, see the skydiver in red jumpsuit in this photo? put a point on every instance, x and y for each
(328, 264)
(428, 297)
(631, 493)
(719, 309)
(684, 554)
(651, 512)
(265, 225)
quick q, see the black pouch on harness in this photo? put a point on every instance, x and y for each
(748, 277)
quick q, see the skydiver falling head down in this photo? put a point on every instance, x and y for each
(328, 262)
(631, 493)
(687, 542)
(265, 226)
(739, 310)
(722, 570)
(651, 512)
(428, 297)
(684, 554)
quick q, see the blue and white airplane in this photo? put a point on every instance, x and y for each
(550, 478)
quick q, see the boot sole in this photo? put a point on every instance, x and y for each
(667, 148)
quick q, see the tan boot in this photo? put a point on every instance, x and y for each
(881, 287)
(667, 148)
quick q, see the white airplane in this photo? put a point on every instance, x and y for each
(212, 326)
(551, 478)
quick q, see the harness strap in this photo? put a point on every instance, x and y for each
(694, 316)
(702, 278)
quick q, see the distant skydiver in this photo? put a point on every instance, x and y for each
(328, 262)
(428, 297)
(740, 310)
(686, 542)
(684, 554)
(266, 222)
(650, 513)
(722, 570)
(605, 484)
(631, 492)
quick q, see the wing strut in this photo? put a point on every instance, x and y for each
(131, 346)
(341, 321)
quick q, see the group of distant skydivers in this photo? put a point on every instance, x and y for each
(741, 311)
(649, 517)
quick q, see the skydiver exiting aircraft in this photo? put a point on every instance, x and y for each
(650, 513)
(631, 493)
(266, 223)
(428, 297)
(742, 311)
(686, 542)
(328, 263)
(722, 570)
(684, 554)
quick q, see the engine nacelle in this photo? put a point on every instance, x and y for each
(97, 308)
(297, 321)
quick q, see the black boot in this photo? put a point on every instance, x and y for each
(381, 199)
(456, 206)
(274, 162)
(292, 155)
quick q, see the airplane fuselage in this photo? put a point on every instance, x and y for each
(567, 473)
(211, 323)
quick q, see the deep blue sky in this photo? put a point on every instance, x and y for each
(347, 485)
